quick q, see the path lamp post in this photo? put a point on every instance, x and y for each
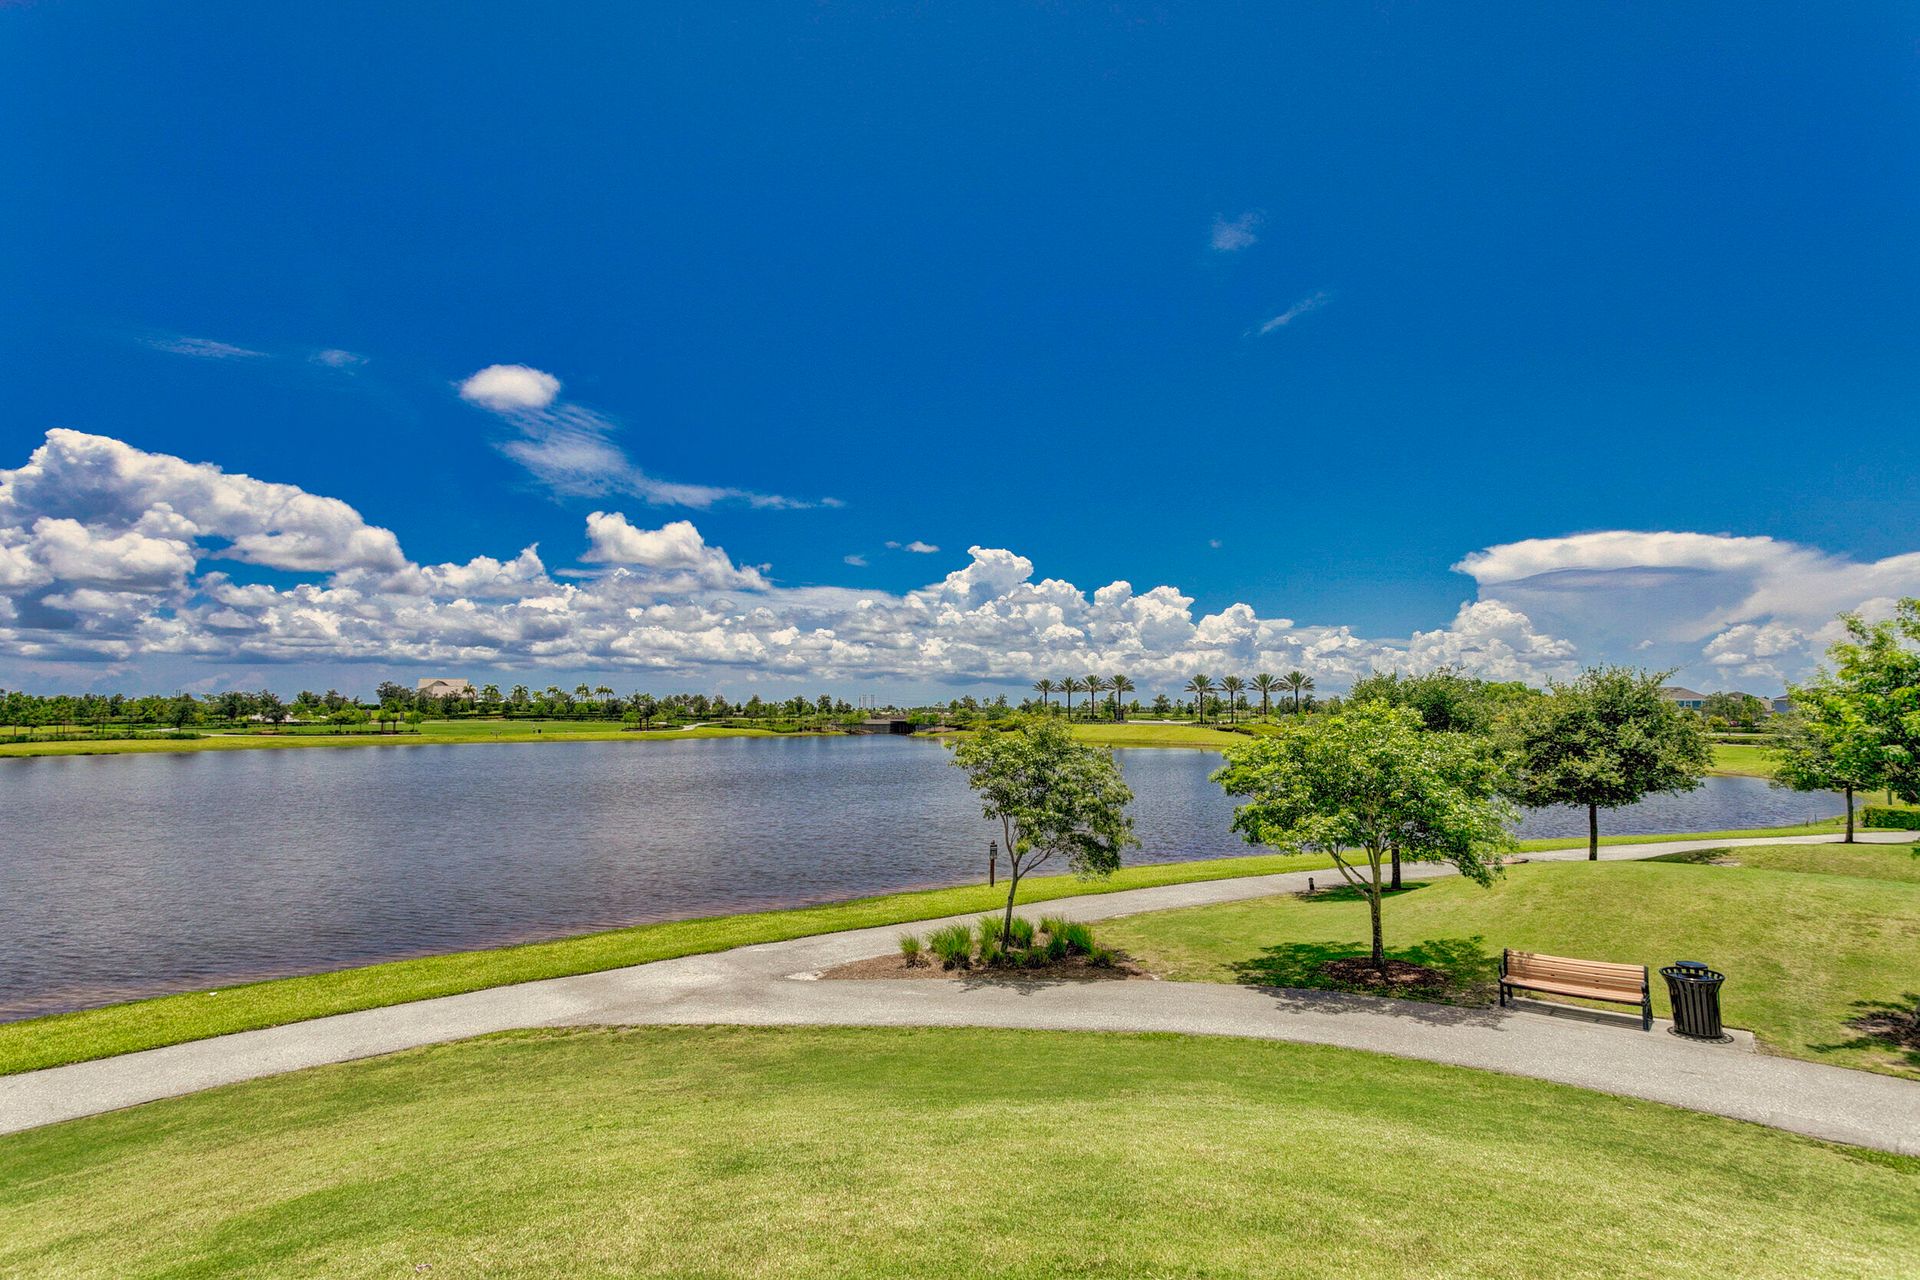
(993, 861)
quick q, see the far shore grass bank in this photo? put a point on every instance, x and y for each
(1735, 759)
(432, 733)
(85, 1034)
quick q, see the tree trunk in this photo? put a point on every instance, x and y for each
(1396, 868)
(1013, 887)
(1849, 815)
(1593, 833)
(1373, 903)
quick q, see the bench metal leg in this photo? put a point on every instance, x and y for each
(1646, 1016)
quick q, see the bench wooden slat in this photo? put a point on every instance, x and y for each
(1580, 979)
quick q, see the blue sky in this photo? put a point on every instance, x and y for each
(1000, 276)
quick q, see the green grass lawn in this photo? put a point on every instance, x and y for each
(724, 1152)
(1156, 735)
(1804, 951)
(1742, 758)
(432, 731)
(1872, 861)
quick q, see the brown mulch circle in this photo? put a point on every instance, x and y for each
(1900, 1029)
(1361, 972)
(1072, 969)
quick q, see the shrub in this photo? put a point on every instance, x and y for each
(1100, 958)
(1079, 939)
(1877, 815)
(1056, 948)
(1052, 925)
(953, 944)
(991, 953)
(910, 949)
(1022, 934)
(991, 929)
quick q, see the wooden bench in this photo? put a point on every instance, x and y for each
(1581, 979)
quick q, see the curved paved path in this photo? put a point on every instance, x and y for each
(771, 985)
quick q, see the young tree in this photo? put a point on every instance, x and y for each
(1856, 724)
(1606, 740)
(1826, 748)
(1371, 782)
(1052, 796)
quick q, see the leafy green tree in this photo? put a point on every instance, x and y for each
(1606, 740)
(1447, 699)
(1856, 724)
(1826, 748)
(1053, 797)
(1365, 784)
(1742, 709)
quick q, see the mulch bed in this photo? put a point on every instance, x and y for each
(1359, 973)
(1072, 969)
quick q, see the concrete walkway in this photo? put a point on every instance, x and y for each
(773, 985)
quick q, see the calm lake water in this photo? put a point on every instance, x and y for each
(124, 876)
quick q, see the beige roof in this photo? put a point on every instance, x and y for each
(435, 685)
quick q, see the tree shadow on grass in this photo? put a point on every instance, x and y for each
(1891, 1026)
(1295, 973)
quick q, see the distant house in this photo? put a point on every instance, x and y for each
(1681, 697)
(1781, 705)
(444, 689)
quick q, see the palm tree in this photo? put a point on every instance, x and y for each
(1094, 685)
(1043, 687)
(1231, 686)
(1266, 686)
(1298, 681)
(1200, 686)
(1120, 686)
(1070, 686)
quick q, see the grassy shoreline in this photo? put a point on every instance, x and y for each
(1730, 760)
(59, 1039)
(435, 733)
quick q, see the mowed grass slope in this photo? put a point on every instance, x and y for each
(860, 1152)
(1804, 952)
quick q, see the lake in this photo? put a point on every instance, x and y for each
(124, 876)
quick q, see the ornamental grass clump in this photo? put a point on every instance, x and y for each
(1079, 939)
(1020, 935)
(953, 944)
(910, 950)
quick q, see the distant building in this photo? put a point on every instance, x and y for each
(1680, 697)
(444, 689)
(1782, 705)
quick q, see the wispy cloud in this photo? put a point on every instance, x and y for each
(1294, 312)
(1230, 235)
(201, 348)
(336, 358)
(916, 546)
(857, 561)
(569, 448)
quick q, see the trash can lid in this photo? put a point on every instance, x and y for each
(1691, 964)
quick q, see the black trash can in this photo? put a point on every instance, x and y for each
(1694, 991)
